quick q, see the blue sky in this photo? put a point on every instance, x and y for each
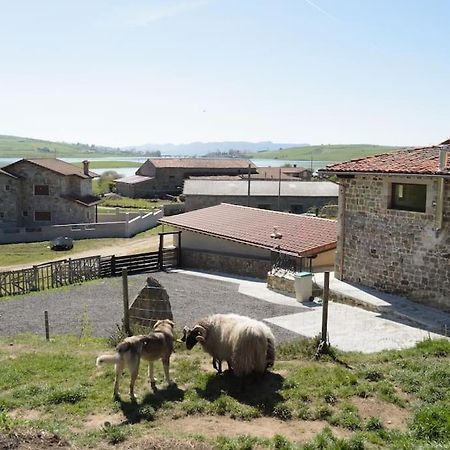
(128, 72)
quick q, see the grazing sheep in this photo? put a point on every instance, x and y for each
(246, 344)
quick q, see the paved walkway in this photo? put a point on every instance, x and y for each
(386, 322)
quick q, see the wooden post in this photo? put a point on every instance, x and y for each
(113, 265)
(47, 329)
(70, 271)
(126, 315)
(160, 251)
(248, 187)
(179, 249)
(35, 279)
(326, 294)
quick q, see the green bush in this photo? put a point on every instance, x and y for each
(432, 422)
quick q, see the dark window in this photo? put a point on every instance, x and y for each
(25, 213)
(40, 189)
(42, 216)
(7, 187)
(409, 197)
(2, 214)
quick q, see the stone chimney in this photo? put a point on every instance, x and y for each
(86, 167)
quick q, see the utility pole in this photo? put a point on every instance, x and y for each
(248, 187)
(279, 188)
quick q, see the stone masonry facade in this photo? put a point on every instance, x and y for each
(394, 250)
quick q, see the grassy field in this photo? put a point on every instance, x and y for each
(13, 146)
(51, 392)
(132, 203)
(326, 152)
(32, 252)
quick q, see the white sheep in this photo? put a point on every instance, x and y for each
(246, 344)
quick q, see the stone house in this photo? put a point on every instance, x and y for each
(394, 223)
(38, 192)
(283, 195)
(160, 176)
(249, 241)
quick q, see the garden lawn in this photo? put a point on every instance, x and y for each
(51, 392)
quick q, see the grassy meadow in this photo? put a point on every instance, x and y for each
(14, 146)
(33, 252)
(52, 392)
(326, 152)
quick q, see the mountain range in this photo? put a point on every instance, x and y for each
(202, 148)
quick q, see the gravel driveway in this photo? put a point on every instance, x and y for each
(100, 301)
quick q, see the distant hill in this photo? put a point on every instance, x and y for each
(202, 148)
(14, 146)
(342, 152)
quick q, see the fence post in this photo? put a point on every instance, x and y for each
(113, 265)
(70, 271)
(326, 294)
(160, 252)
(179, 250)
(35, 278)
(47, 329)
(126, 311)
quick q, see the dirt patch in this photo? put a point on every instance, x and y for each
(31, 440)
(391, 416)
(294, 430)
(26, 414)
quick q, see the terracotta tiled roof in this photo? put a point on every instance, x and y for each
(420, 161)
(201, 163)
(301, 235)
(55, 165)
(133, 179)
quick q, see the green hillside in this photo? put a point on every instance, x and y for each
(326, 152)
(13, 146)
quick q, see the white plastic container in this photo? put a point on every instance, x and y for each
(303, 286)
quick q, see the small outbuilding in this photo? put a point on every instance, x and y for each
(251, 241)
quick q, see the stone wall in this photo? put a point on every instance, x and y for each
(62, 211)
(392, 250)
(219, 262)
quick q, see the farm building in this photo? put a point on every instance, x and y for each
(160, 176)
(249, 241)
(289, 196)
(46, 191)
(394, 223)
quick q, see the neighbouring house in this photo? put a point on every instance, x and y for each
(249, 241)
(160, 176)
(394, 223)
(288, 196)
(38, 192)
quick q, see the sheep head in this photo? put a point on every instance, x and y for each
(194, 335)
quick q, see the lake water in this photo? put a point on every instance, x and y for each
(128, 171)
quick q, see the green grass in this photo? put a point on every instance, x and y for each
(326, 152)
(14, 146)
(33, 252)
(55, 387)
(132, 203)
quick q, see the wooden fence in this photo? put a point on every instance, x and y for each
(70, 271)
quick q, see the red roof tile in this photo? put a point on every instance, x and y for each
(301, 235)
(55, 165)
(201, 163)
(420, 161)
